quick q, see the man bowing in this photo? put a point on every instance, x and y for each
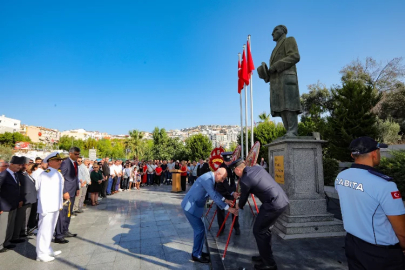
(193, 206)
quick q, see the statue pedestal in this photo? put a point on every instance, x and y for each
(296, 164)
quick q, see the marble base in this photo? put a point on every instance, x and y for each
(306, 216)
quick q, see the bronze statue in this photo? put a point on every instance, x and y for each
(282, 75)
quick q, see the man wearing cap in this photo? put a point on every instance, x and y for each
(227, 189)
(28, 194)
(372, 210)
(49, 185)
(255, 180)
(193, 207)
(70, 172)
(10, 200)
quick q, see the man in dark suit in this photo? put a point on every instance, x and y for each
(29, 196)
(10, 200)
(255, 180)
(70, 171)
(203, 167)
(227, 189)
(106, 174)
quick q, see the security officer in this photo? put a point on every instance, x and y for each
(372, 210)
(227, 189)
(255, 180)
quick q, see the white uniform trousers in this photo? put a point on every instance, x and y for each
(46, 228)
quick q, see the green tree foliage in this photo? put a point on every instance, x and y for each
(136, 143)
(10, 138)
(161, 148)
(395, 168)
(198, 146)
(330, 170)
(351, 117)
(388, 131)
(104, 148)
(6, 152)
(264, 117)
(393, 106)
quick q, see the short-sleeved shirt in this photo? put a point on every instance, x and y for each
(163, 166)
(367, 197)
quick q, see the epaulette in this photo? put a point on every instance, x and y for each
(383, 176)
(47, 170)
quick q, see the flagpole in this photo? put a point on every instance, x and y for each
(241, 117)
(251, 98)
(246, 114)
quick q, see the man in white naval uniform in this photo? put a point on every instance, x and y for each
(49, 185)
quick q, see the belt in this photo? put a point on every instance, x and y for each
(396, 246)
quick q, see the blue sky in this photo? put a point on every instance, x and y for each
(113, 66)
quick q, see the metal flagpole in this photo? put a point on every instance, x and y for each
(246, 114)
(251, 98)
(241, 117)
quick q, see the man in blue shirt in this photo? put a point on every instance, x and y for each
(372, 210)
(193, 206)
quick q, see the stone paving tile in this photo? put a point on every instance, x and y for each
(129, 230)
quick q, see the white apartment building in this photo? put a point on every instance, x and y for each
(40, 134)
(9, 124)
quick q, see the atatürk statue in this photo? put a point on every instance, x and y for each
(282, 75)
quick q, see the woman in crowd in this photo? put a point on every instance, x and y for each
(144, 174)
(138, 180)
(132, 173)
(32, 168)
(183, 169)
(95, 187)
(126, 175)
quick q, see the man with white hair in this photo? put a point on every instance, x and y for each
(49, 185)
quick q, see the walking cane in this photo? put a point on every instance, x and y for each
(209, 208)
(212, 219)
(229, 237)
(254, 201)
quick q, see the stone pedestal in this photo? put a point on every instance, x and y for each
(296, 164)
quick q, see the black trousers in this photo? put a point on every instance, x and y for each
(183, 182)
(124, 183)
(33, 220)
(221, 217)
(362, 255)
(104, 185)
(62, 226)
(156, 179)
(261, 230)
(114, 184)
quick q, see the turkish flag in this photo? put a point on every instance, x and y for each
(240, 81)
(396, 195)
(244, 71)
(250, 65)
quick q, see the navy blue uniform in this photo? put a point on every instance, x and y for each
(367, 197)
(255, 180)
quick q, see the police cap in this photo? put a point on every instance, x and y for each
(235, 164)
(364, 145)
(227, 156)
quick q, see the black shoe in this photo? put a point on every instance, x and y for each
(257, 258)
(10, 246)
(3, 250)
(74, 214)
(61, 241)
(17, 241)
(263, 266)
(69, 234)
(237, 231)
(200, 260)
(79, 211)
(205, 255)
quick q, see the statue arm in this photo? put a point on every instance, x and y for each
(292, 56)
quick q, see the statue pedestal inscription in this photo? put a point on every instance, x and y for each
(296, 164)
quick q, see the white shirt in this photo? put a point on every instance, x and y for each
(150, 168)
(170, 166)
(36, 173)
(112, 169)
(49, 185)
(84, 174)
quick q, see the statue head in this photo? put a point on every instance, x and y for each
(278, 32)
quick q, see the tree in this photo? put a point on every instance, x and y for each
(161, 147)
(6, 152)
(392, 106)
(10, 138)
(198, 146)
(388, 131)
(351, 117)
(264, 117)
(382, 77)
(104, 148)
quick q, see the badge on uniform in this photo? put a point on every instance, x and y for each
(396, 195)
(47, 170)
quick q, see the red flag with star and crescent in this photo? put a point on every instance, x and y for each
(250, 65)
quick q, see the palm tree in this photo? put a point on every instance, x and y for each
(264, 117)
(135, 142)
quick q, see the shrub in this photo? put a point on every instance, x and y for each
(330, 171)
(6, 152)
(395, 168)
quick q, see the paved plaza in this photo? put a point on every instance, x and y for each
(143, 229)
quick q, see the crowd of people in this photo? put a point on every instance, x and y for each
(30, 205)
